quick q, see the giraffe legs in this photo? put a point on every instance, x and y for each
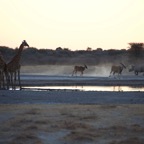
(3, 80)
(16, 79)
(19, 79)
(7, 79)
(13, 79)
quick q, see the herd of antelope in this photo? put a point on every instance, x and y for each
(114, 69)
(10, 72)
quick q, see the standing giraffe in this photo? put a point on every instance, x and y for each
(13, 67)
(2, 72)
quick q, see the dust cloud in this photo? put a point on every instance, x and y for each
(66, 70)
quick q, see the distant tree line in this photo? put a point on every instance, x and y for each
(64, 56)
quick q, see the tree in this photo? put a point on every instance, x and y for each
(135, 53)
(89, 49)
(136, 49)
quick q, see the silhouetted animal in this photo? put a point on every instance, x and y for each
(117, 69)
(79, 69)
(136, 69)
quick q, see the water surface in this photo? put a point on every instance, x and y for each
(88, 88)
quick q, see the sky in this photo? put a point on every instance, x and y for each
(72, 24)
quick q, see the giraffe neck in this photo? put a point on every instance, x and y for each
(2, 62)
(16, 58)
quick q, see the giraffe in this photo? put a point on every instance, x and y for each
(13, 67)
(2, 71)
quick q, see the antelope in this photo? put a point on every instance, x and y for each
(117, 69)
(80, 69)
(137, 69)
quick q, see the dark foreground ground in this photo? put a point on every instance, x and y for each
(69, 124)
(68, 117)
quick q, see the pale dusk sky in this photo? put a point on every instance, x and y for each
(73, 24)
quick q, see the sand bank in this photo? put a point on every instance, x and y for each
(68, 117)
(70, 97)
(69, 124)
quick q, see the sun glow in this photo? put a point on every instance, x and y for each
(73, 24)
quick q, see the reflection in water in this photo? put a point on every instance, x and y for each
(117, 88)
(88, 88)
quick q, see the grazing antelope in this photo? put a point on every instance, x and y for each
(80, 69)
(117, 69)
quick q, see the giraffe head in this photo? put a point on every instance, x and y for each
(24, 43)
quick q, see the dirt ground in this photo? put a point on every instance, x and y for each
(69, 124)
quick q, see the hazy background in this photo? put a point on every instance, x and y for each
(62, 60)
(66, 70)
(73, 24)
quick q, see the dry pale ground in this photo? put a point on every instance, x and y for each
(69, 124)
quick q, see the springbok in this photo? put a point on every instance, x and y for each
(137, 69)
(117, 69)
(80, 69)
